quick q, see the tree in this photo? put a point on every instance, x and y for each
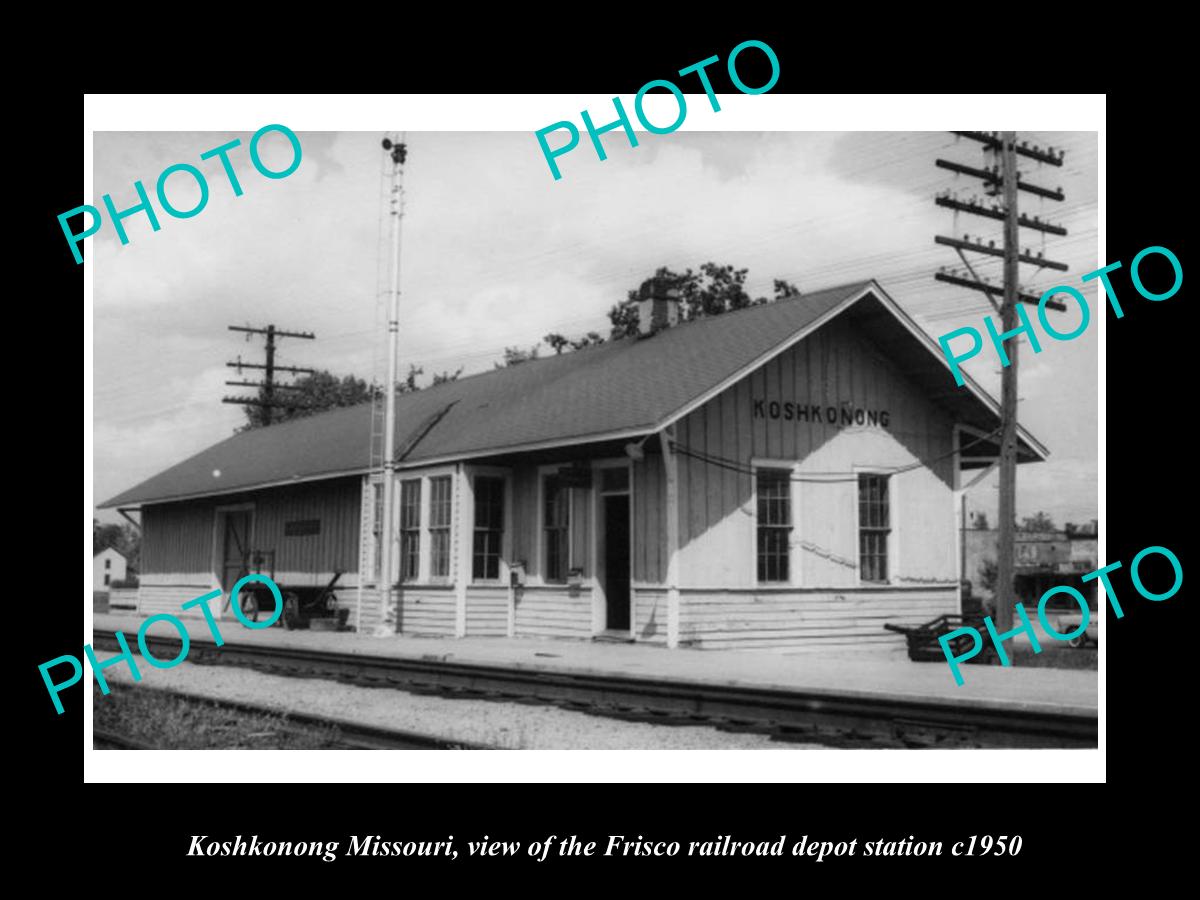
(559, 342)
(710, 292)
(446, 376)
(312, 394)
(323, 390)
(104, 535)
(123, 538)
(409, 384)
(624, 319)
(1038, 522)
(785, 289)
(515, 355)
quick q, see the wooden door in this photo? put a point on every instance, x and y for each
(236, 554)
(616, 561)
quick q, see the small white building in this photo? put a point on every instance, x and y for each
(107, 566)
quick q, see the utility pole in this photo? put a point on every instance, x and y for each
(268, 385)
(1003, 179)
(962, 543)
(398, 153)
(1006, 562)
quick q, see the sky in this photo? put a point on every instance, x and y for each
(496, 253)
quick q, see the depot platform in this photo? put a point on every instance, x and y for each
(842, 673)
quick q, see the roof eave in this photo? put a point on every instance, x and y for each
(872, 288)
(135, 502)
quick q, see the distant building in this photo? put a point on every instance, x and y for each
(1044, 559)
(107, 566)
(1085, 549)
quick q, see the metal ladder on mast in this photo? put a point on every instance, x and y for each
(369, 546)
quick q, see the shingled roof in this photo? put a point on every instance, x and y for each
(619, 389)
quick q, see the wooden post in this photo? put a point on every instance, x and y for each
(961, 516)
(1006, 563)
(463, 528)
(506, 569)
(665, 439)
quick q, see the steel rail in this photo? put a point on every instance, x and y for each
(821, 716)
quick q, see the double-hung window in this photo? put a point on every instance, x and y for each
(410, 530)
(556, 524)
(874, 527)
(773, 488)
(489, 528)
(440, 516)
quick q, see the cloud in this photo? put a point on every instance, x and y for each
(494, 253)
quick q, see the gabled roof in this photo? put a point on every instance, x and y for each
(616, 390)
(105, 549)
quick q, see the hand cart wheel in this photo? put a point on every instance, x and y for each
(249, 604)
(291, 610)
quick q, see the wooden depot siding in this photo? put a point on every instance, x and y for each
(178, 561)
(721, 602)
(649, 562)
(311, 559)
(525, 517)
(554, 611)
(169, 598)
(177, 538)
(792, 618)
(487, 611)
(650, 615)
(427, 610)
(371, 616)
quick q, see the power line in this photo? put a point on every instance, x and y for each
(266, 398)
(1002, 179)
(722, 462)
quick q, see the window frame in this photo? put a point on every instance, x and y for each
(410, 532)
(596, 545)
(501, 532)
(889, 540)
(545, 474)
(375, 489)
(787, 469)
(443, 530)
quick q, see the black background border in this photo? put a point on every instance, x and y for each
(1064, 825)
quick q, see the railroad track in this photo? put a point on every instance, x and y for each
(840, 720)
(348, 735)
(107, 740)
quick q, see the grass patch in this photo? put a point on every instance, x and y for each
(1056, 658)
(169, 722)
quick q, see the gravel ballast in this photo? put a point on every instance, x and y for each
(505, 725)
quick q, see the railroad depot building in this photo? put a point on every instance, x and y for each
(781, 475)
